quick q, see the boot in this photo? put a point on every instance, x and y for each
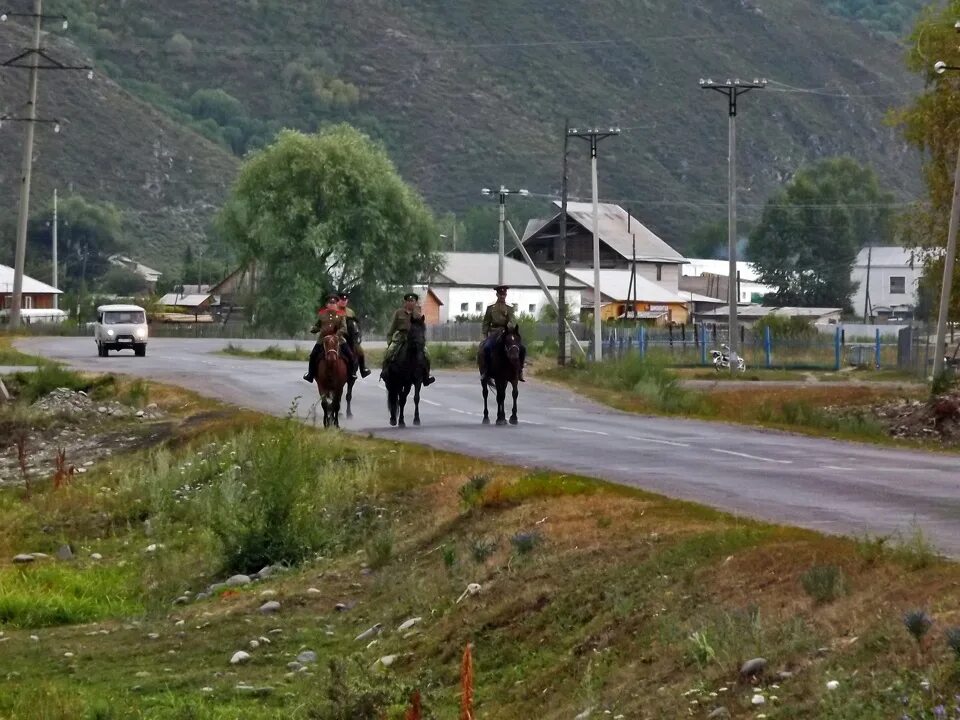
(430, 380)
(314, 356)
(523, 362)
(364, 370)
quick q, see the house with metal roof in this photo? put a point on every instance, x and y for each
(892, 276)
(623, 296)
(464, 287)
(38, 299)
(624, 240)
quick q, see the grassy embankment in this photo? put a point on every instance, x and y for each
(592, 595)
(442, 355)
(646, 386)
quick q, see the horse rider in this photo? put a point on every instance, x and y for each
(329, 322)
(353, 332)
(498, 318)
(397, 334)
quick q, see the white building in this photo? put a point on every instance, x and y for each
(465, 286)
(894, 280)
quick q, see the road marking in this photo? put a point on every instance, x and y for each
(530, 422)
(837, 467)
(430, 402)
(752, 457)
(658, 442)
(578, 430)
(462, 412)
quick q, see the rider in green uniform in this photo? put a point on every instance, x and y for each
(397, 334)
(498, 318)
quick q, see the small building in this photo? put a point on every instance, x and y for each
(647, 301)
(894, 280)
(624, 240)
(464, 287)
(431, 305)
(750, 314)
(709, 278)
(38, 299)
(148, 274)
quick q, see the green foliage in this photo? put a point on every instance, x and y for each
(481, 548)
(823, 583)
(380, 550)
(525, 543)
(917, 623)
(471, 492)
(31, 386)
(355, 694)
(891, 17)
(647, 377)
(786, 328)
(123, 282)
(333, 203)
(811, 231)
(701, 649)
(915, 552)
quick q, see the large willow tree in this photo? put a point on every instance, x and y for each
(327, 212)
(932, 123)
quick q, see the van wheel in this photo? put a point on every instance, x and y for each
(140, 350)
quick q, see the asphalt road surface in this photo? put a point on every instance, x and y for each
(834, 487)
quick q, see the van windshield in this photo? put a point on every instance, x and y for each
(124, 317)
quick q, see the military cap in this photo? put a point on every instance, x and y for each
(332, 296)
(500, 288)
(343, 295)
(411, 296)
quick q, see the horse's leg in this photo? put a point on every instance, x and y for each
(337, 399)
(326, 411)
(486, 413)
(404, 391)
(501, 399)
(392, 404)
(416, 403)
(350, 383)
(513, 416)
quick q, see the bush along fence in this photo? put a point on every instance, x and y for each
(763, 347)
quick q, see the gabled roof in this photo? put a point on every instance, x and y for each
(30, 286)
(175, 300)
(481, 270)
(891, 256)
(614, 224)
(761, 311)
(615, 285)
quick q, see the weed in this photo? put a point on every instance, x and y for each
(380, 550)
(918, 624)
(482, 548)
(449, 556)
(62, 473)
(47, 378)
(953, 640)
(471, 493)
(138, 394)
(353, 695)
(823, 583)
(943, 382)
(702, 650)
(603, 522)
(526, 542)
(444, 355)
(915, 551)
(872, 549)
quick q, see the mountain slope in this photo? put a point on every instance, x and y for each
(466, 95)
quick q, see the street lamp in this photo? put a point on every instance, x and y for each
(502, 196)
(940, 347)
(732, 91)
(594, 137)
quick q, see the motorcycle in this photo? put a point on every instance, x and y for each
(721, 359)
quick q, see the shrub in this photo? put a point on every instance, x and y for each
(483, 548)
(525, 542)
(471, 492)
(953, 640)
(380, 550)
(47, 378)
(701, 649)
(915, 551)
(449, 556)
(918, 624)
(823, 583)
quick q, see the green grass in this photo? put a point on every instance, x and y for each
(9, 355)
(273, 352)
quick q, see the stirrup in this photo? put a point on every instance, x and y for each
(429, 381)
(365, 372)
(308, 377)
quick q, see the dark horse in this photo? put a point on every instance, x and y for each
(407, 370)
(331, 376)
(504, 370)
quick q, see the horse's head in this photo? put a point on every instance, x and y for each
(511, 345)
(331, 347)
(417, 335)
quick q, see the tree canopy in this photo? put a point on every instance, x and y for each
(327, 212)
(932, 124)
(811, 231)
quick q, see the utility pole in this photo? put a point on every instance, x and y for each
(562, 273)
(867, 315)
(200, 251)
(732, 90)
(940, 348)
(594, 137)
(35, 58)
(56, 298)
(502, 195)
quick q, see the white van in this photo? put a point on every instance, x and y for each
(119, 327)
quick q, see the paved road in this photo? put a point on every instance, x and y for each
(829, 486)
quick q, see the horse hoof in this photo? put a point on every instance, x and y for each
(349, 414)
(393, 422)
(402, 424)
(513, 421)
(486, 421)
(501, 421)
(417, 422)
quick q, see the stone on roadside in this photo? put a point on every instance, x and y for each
(182, 600)
(268, 593)
(407, 624)
(388, 660)
(718, 714)
(753, 667)
(294, 666)
(96, 556)
(254, 644)
(65, 552)
(240, 657)
(266, 572)
(307, 657)
(270, 608)
(369, 633)
(238, 580)
(23, 559)
(313, 591)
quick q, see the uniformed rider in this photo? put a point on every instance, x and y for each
(353, 332)
(329, 322)
(397, 334)
(496, 320)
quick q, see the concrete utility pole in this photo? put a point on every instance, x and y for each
(502, 195)
(940, 346)
(562, 272)
(35, 59)
(595, 136)
(56, 298)
(732, 90)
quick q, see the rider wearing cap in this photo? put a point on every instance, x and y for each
(330, 321)
(353, 331)
(397, 334)
(498, 318)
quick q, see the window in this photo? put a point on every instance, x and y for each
(464, 307)
(27, 302)
(659, 272)
(123, 317)
(532, 309)
(898, 286)
(479, 307)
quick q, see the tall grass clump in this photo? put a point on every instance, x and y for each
(823, 583)
(48, 377)
(444, 355)
(647, 377)
(276, 494)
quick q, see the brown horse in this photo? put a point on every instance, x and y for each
(331, 376)
(505, 366)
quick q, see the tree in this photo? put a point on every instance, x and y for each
(88, 233)
(812, 230)
(327, 212)
(123, 282)
(929, 124)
